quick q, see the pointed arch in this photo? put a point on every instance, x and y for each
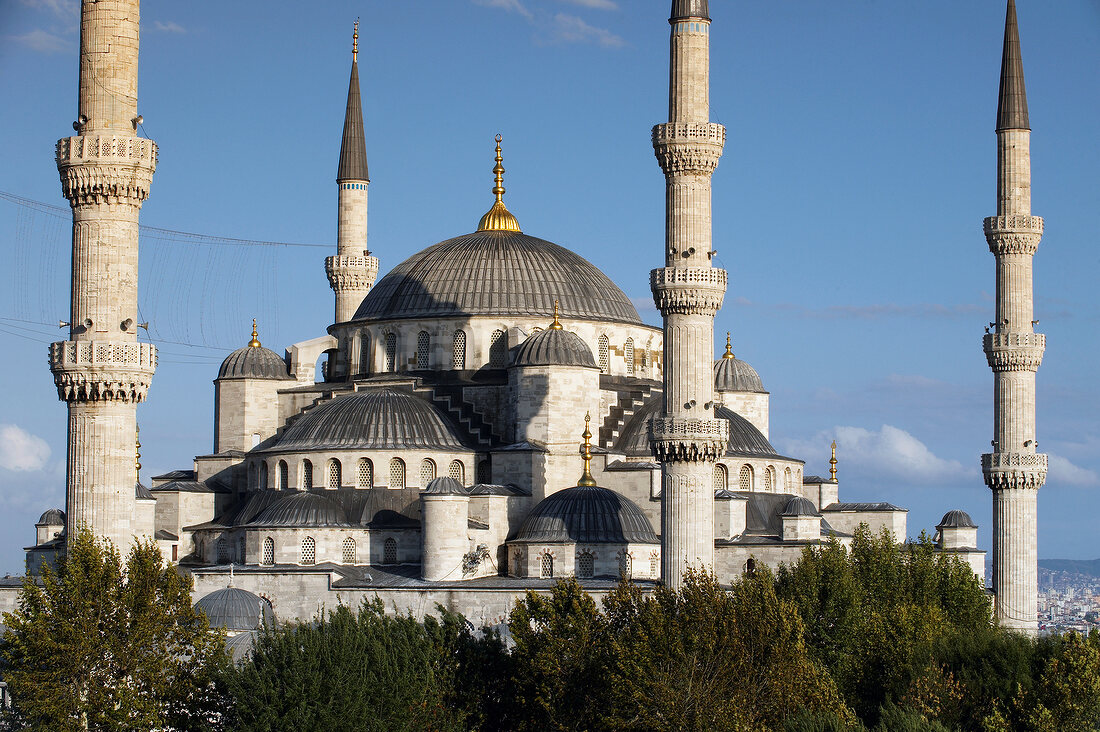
(309, 551)
(335, 474)
(267, 554)
(347, 553)
(391, 353)
(365, 477)
(397, 473)
(721, 477)
(307, 475)
(389, 551)
(746, 479)
(458, 350)
(423, 350)
(427, 472)
(457, 471)
(498, 350)
(628, 355)
(605, 354)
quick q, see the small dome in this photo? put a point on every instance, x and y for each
(554, 347)
(799, 506)
(587, 515)
(733, 374)
(52, 517)
(380, 418)
(301, 510)
(253, 362)
(956, 519)
(236, 609)
(745, 439)
(445, 486)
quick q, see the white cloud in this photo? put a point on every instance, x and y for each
(67, 9)
(168, 27)
(1064, 472)
(43, 42)
(888, 452)
(20, 450)
(512, 6)
(571, 29)
(595, 4)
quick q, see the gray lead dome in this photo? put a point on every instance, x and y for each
(956, 519)
(733, 374)
(253, 362)
(235, 609)
(498, 273)
(554, 347)
(587, 515)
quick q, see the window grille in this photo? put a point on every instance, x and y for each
(628, 353)
(348, 554)
(397, 473)
(366, 473)
(389, 551)
(498, 350)
(654, 566)
(334, 477)
(745, 479)
(223, 551)
(284, 475)
(364, 356)
(427, 472)
(624, 565)
(585, 564)
(769, 479)
(484, 472)
(605, 355)
(309, 550)
(268, 556)
(547, 566)
(391, 352)
(307, 475)
(422, 343)
(721, 477)
(458, 347)
(457, 471)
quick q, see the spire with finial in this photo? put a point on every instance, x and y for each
(556, 325)
(355, 43)
(255, 342)
(498, 218)
(729, 347)
(586, 454)
(832, 464)
(353, 144)
(1012, 97)
(137, 450)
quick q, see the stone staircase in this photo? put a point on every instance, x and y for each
(449, 399)
(629, 399)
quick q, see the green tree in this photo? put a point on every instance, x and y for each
(1066, 696)
(106, 646)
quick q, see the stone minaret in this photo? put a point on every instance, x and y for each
(352, 271)
(102, 371)
(1014, 470)
(686, 437)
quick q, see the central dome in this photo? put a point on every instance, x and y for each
(496, 273)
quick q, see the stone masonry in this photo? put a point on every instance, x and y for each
(102, 371)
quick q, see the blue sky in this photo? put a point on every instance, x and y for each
(859, 164)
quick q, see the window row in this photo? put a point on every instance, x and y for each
(307, 551)
(364, 476)
(586, 563)
(746, 479)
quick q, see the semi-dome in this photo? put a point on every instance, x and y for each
(300, 510)
(496, 273)
(956, 519)
(254, 362)
(733, 374)
(554, 346)
(52, 517)
(799, 506)
(236, 610)
(381, 418)
(745, 439)
(587, 515)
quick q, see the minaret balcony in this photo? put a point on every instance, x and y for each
(1008, 470)
(688, 147)
(106, 169)
(1013, 234)
(351, 273)
(678, 439)
(1014, 351)
(90, 371)
(688, 290)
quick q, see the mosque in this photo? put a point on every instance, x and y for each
(489, 415)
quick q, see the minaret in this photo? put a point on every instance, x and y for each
(686, 437)
(1014, 470)
(102, 371)
(352, 271)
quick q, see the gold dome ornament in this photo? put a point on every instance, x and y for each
(586, 454)
(832, 464)
(729, 347)
(556, 325)
(255, 342)
(498, 218)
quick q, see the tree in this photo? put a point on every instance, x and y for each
(106, 646)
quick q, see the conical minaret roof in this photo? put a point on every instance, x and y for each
(1012, 98)
(353, 146)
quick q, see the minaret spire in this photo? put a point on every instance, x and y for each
(1012, 97)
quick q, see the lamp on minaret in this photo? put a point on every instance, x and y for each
(1014, 471)
(352, 271)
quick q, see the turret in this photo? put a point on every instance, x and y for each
(246, 403)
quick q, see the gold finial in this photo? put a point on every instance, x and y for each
(555, 325)
(137, 450)
(586, 454)
(832, 464)
(355, 42)
(729, 347)
(498, 218)
(255, 342)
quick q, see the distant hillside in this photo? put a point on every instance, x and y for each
(1090, 567)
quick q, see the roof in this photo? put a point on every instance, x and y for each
(1012, 96)
(235, 609)
(554, 347)
(496, 273)
(733, 374)
(799, 506)
(683, 9)
(176, 475)
(445, 486)
(300, 510)
(254, 362)
(586, 515)
(162, 535)
(142, 493)
(956, 519)
(353, 145)
(52, 517)
(862, 507)
(375, 418)
(184, 486)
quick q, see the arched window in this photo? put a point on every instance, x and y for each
(307, 475)
(585, 564)
(605, 355)
(654, 565)
(546, 566)
(645, 361)
(458, 348)
(309, 550)
(457, 471)
(348, 553)
(223, 551)
(391, 353)
(769, 479)
(498, 350)
(625, 565)
(241, 550)
(721, 477)
(427, 472)
(263, 476)
(366, 474)
(788, 481)
(389, 551)
(364, 355)
(397, 473)
(284, 476)
(334, 474)
(745, 479)
(423, 341)
(485, 471)
(628, 353)
(268, 555)
(253, 480)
